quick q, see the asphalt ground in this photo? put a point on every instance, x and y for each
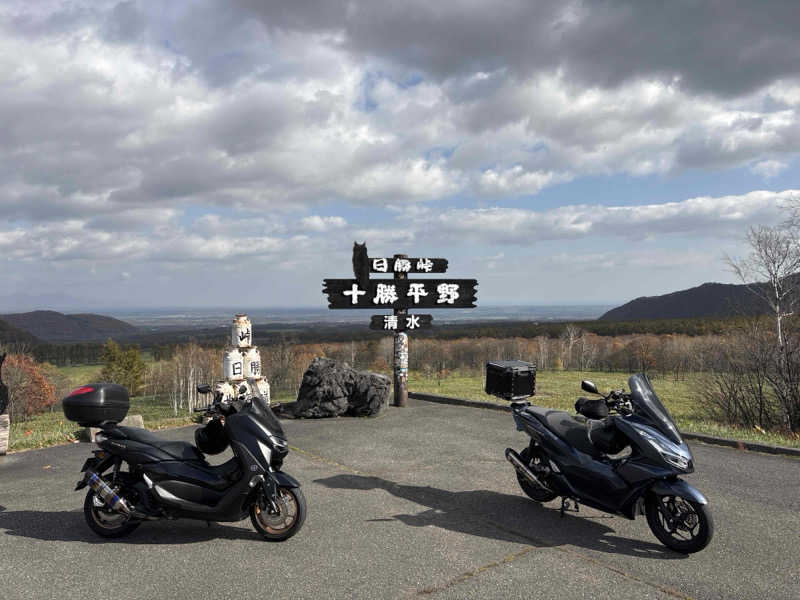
(416, 502)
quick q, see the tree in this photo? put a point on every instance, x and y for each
(29, 391)
(775, 260)
(572, 333)
(124, 367)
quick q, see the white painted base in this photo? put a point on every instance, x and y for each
(5, 425)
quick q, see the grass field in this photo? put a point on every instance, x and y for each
(82, 374)
(556, 389)
(560, 389)
(51, 428)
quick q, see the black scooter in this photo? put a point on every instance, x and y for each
(171, 480)
(625, 463)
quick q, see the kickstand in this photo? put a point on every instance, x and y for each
(565, 506)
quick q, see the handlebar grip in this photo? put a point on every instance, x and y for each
(204, 409)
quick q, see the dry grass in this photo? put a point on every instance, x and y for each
(560, 389)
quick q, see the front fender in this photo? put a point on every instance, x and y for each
(284, 480)
(678, 487)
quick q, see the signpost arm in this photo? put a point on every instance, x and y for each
(400, 350)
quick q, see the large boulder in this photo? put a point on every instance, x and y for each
(331, 388)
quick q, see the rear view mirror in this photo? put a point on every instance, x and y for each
(204, 389)
(588, 386)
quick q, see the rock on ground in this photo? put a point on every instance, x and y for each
(331, 388)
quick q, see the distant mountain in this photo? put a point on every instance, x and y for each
(707, 300)
(52, 326)
(11, 335)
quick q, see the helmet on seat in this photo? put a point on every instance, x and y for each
(211, 439)
(592, 408)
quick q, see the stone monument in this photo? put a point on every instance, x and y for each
(241, 364)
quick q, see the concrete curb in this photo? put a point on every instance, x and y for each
(700, 437)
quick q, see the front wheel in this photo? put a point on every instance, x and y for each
(288, 520)
(678, 523)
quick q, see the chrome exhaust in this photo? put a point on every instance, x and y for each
(522, 469)
(106, 494)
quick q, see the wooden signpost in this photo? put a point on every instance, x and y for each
(399, 294)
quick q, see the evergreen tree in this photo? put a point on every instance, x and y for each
(123, 366)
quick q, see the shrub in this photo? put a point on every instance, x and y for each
(29, 390)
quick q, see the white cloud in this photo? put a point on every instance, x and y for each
(319, 224)
(717, 217)
(769, 168)
(98, 111)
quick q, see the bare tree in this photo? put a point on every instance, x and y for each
(769, 269)
(572, 333)
(775, 260)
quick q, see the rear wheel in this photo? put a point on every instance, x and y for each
(286, 522)
(533, 491)
(103, 520)
(678, 523)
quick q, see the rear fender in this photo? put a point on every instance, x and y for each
(95, 465)
(678, 487)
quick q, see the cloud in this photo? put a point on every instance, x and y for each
(319, 224)
(214, 136)
(719, 217)
(250, 105)
(598, 44)
(769, 168)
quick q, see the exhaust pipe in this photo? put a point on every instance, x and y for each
(522, 469)
(109, 496)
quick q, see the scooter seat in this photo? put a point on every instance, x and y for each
(565, 426)
(178, 450)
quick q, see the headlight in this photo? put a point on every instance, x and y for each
(675, 455)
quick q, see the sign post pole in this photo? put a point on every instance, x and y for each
(400, 349)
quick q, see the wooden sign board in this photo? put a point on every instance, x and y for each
(401, 294)
(400, 322)
(407, 265)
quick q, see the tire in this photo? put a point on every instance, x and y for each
(691, 528)
(292, 515)
(532, 491)
(102, 520)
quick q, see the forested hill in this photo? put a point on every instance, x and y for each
(707, 300)
(11, 335)
(54, 326)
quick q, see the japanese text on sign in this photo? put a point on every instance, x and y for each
(408, 265)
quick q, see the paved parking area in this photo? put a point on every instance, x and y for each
(418, 501)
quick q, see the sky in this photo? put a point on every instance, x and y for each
(229, 153)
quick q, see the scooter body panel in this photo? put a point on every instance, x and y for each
(579, 475)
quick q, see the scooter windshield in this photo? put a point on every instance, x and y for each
(264, 413)
(647, 404)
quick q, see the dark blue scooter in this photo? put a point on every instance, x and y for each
(625, 463)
